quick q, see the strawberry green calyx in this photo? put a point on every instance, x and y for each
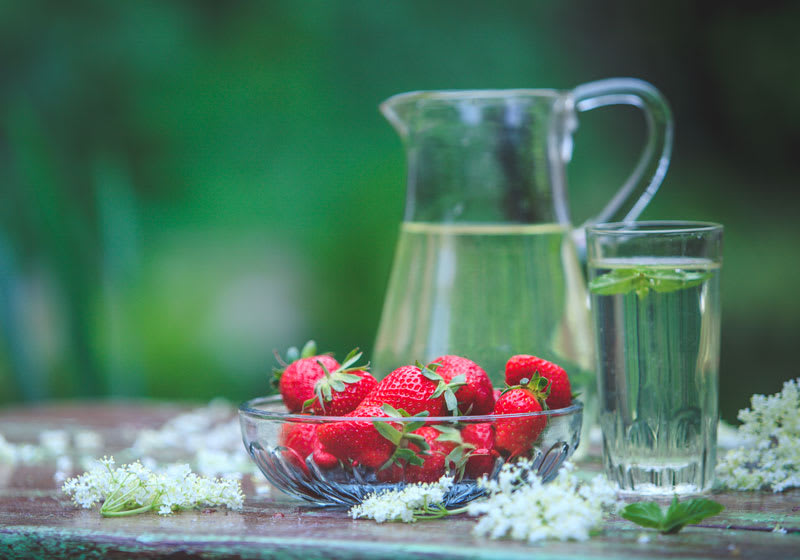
(292, 355)
(401, 438)
(460, 454)
(538, 385)
(337, 379)
(443, 388)
(309, 349)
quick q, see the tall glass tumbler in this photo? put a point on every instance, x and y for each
(655, 299)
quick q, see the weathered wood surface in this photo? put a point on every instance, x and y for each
(37, 521)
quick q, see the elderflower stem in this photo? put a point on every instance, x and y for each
(132, 489)
(115, 502)
(144, 508)
(437, 511)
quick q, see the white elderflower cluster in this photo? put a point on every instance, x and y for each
(520, 506)
(210, 435)
(133, 488)
(52, 445)
(407, 504)
(8, 451)
(769, 451)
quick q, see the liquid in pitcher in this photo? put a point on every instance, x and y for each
(486, 292)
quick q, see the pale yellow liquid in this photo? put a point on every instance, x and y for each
(658, 368)
(487, 292)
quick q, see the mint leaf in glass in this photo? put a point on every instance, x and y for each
(677, 516)
(618, 281)
(642, 279)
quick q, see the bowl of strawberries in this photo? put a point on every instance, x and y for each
(336, 434)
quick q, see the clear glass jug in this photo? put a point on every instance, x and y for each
(486, 264)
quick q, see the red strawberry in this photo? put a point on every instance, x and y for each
(481, 459)
(476, 397)
(524, 366)
(340, 391)
(301, 441)
(516, 436)
(296, 380)
(357, 440)
(433, 464)
(375, 443)
(393, 473)
(415, 389)
(472, 453)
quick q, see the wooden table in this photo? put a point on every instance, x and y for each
(38, 521)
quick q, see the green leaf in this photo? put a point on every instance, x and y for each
(678, 515)
(448, 433)
(456, 456)
(423, 446)
(618, 281)
(458, 380)
(293, 354)
(692, 279)
(412, 426)
(673, 282)
(646, 514)
(409, 456)
(440, 389)
(430, 374)
(309, 349)
(643, 279)
(388, 431)
(276, 377)
(308, 402)
(352, 357)
(324, 368)
(450, 401)
(336, 385)
(419, 441)
(348, 377)
(691, 511)
(666, 285)
(392, 411)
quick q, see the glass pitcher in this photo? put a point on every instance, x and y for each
(487, 262)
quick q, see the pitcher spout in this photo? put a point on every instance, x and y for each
(480, 156)
(397, 110)
(401, 109)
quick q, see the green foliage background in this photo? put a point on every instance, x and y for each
(185, 186)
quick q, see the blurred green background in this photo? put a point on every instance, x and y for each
(187, 186)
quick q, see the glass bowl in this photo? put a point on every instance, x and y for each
(281, 445)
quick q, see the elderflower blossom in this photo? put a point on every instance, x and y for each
(769, 456)
(133, 488)
(8, 451)
(563, 509)
(54, 442)
(403, 504)
(210, 435)
(53, 445)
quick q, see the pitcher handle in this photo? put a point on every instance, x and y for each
(654, 161)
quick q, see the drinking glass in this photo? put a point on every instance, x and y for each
(655, 302)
